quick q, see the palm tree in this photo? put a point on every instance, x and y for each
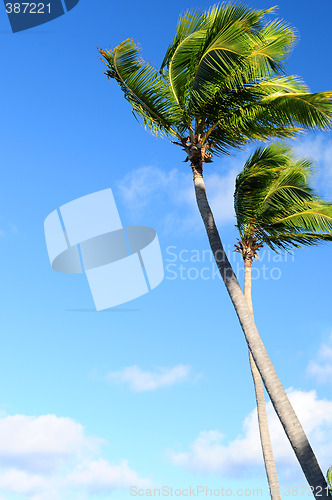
(275, 205)
(220, 87)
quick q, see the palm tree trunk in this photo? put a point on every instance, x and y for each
(279, 399)
(270, 466)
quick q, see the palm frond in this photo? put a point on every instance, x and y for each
(286, 84)
(225, 53)
(308, 110)
(276, 41)
(291, 187)
(310, 218)
(188, 24)
(145, 89)
(182, 65)
(287, 241)
(276, 156)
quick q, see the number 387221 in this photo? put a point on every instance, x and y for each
(28, 8)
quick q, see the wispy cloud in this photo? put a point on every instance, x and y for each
(319, 148)
(48, 458)
(320, 368)
(211, 454)
(7, 228)
(221, 195)
(153, 190)
(139, 380)
(99, 476)
(146, 185)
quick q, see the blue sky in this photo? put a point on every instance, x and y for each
(156, 392)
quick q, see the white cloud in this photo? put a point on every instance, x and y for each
(42, 443)
(210, 454)
(320, 368)
(18, 481)
(140, 380)
(47, 458)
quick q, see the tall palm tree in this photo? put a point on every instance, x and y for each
(219, 87)
(275, 205)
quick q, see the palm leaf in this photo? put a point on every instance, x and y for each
(188, 24)
(182, 64)
(287, 241)
(277, 40)
(145, 89)
(308, 110)
(310, 218)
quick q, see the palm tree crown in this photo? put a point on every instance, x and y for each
(275, 204)
(219, 77)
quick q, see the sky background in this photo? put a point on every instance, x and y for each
(156, 392)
